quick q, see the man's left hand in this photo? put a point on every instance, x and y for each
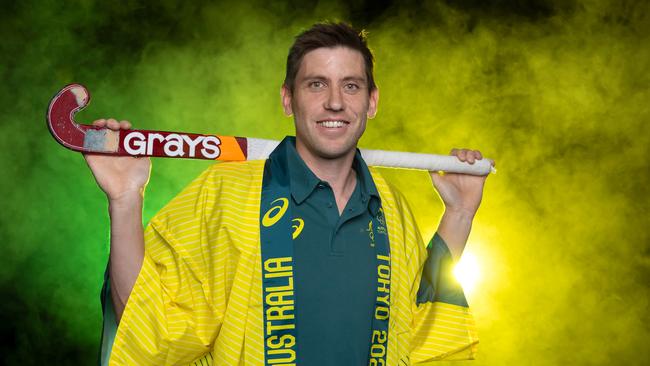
(461, 193)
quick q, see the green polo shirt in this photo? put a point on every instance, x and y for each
(335, 267)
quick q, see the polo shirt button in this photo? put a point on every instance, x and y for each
(329, 205)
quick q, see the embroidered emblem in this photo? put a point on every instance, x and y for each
(381, 228)
(371, 234)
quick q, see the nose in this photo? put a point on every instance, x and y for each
(334, 100)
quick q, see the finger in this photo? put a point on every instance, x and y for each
(471, 156)
(125, 125)
(454, 152)
(99, 123)
(462, 155)
(112, 124)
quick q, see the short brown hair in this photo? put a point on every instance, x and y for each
(328, 35)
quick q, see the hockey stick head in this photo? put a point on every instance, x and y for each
(97, 140)
(60, 116)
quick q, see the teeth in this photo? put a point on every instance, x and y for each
(332, 124)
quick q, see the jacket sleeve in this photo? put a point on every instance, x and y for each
(171, 316)
(443, 327)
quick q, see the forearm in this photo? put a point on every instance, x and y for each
(127, 248)
(454, 229)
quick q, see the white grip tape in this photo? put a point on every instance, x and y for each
(431, 162)
(260, 149)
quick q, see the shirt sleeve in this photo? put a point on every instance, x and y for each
(171, 316)
(443, 327)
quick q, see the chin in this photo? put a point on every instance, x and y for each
(331, 152)
(329, 149)
(331, 155)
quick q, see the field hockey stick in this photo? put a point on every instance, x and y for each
(134, 142)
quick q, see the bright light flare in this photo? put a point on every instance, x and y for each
(467, 272)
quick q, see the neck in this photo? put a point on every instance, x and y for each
(337, 172)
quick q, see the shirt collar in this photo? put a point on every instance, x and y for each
(304, 181)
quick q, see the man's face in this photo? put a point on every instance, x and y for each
(330, 102)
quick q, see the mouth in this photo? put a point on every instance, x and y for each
(331, 123)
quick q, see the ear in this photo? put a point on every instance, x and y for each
(285, 93)
(372, 104)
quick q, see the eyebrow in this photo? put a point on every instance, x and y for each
(355, 78)
(347, 78)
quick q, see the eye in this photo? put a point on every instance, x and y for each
(316, 84)
(351, 87)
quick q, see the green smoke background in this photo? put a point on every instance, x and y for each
(555, 91)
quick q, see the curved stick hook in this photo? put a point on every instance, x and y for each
(60, 117)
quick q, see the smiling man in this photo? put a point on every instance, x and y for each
(307, 258)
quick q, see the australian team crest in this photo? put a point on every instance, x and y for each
(381, 228)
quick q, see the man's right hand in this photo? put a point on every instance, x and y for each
(122, 177)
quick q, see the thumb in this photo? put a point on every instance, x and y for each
(436, 177)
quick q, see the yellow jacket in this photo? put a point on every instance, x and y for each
(198, 297)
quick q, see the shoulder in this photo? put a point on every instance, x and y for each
(391, 197)
(242, 170)
(236, 180)
(400, 217)
(225, 195)
(221, 176)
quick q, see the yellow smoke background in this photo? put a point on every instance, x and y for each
(562, 105)
(556, 92)
(561, 238)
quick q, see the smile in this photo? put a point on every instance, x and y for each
(333, 124)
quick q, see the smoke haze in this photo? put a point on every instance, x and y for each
(555, 91)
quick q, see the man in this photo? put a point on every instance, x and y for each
(308, 258)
